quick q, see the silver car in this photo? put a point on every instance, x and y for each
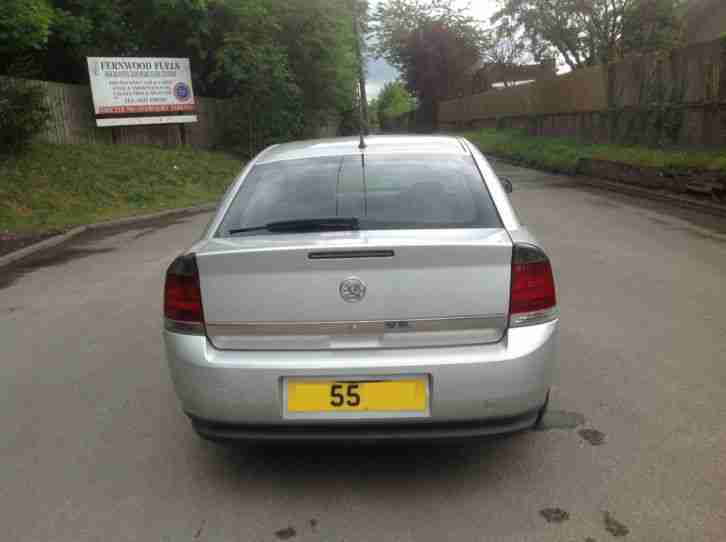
(357, 293)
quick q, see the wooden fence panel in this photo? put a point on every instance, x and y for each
(676, 98)
(208, 131)
(582, 90)
(72, 120)
(163, 135)
(54, 101)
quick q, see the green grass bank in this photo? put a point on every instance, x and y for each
(562, 155)
(56, 187)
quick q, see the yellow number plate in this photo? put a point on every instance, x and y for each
(404, 395)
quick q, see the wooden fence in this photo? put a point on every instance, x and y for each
(73, 121)
(678, 98)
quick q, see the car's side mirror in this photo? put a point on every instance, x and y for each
(507, 184)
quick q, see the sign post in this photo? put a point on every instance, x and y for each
(133, 91)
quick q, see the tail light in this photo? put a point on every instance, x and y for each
(183, 297)
(532, 298)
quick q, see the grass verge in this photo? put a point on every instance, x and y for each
(561, 154)
(56, 187)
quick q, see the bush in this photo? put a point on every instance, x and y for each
(250, 128)
(23, 114)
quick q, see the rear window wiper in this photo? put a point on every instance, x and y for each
(307, 224)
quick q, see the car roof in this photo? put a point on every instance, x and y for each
(387, 144)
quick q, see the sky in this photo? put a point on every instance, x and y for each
(380, 72)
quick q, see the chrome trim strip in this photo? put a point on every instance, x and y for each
(350, 254)
(185, 328)
(347, 328)
(535, 317)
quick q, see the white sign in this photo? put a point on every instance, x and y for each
(141, 90)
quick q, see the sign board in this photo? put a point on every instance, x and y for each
(128, 91)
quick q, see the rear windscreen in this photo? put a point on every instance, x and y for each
(397, 191)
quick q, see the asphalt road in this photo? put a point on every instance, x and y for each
(94, 447)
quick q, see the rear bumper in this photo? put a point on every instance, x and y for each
(475, 390)
(364, 432)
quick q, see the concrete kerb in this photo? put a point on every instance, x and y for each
(56, 240)
(630, 190)
(684, 203)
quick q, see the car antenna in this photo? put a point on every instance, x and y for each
(361, 126)
(362, 100)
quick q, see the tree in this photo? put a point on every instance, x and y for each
(83, 28)
(24, 24)
(286, 62)
(24, 29)
(433, 43)
(653, 25)
(393, 101)
(373, 121)
(23, 114)
(588, 32)
(319, 38)
(251, 66)
(505, 49)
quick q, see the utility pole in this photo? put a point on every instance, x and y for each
(361, 68)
